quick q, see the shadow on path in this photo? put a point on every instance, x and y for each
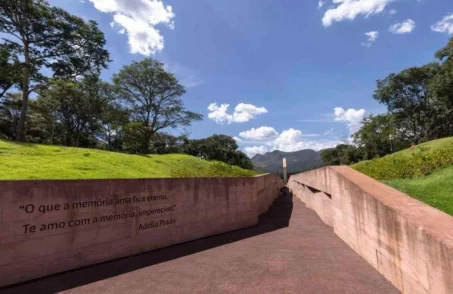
(277, 217)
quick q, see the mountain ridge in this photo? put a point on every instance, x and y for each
(297, 161)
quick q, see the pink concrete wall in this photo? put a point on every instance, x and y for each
(407, 241)
(51, 226)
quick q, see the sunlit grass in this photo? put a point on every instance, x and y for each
(435, 190)
(34, 161)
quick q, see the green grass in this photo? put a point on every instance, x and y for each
(435, 190)
(425, 172)
(424, 148)
(34, 161)
(421, 161)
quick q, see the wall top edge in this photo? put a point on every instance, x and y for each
(436, 222)
(130, 179)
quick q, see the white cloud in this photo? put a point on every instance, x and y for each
(252, 151)
(293, 140)
(321, 3)
(350, 9)
(351, 117)
(242, 113)
(139, 18)
(289, 140)
(260, 134)
(445, 25)
(404, 27)
(372, 37)
(392, 11)
(237, 139)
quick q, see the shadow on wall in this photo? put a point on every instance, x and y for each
(277, 217)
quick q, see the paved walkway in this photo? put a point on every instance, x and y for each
(290, 251)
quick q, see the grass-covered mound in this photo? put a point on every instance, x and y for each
(408, 164)
(34, 161)
(425, 172)
(435, 190)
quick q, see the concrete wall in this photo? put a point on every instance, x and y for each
(408, 242)
(51, 226)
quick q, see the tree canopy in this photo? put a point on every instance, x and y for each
(152, 97)
(48, 36)
(419, 104)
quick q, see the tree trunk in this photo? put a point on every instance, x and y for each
(20, 134)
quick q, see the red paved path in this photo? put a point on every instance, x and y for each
(304, 257)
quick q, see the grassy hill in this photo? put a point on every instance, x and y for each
(420, 161)
(33, 161)
(435, 190)
(425, 172)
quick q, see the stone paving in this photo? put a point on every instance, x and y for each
(290, 251)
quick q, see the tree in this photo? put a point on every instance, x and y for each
(10, 106)
(342, 154)
(378, 136)
(74, 110)
(9, 69)
(135, 133)
(441, 87)
(51, 37)
(408, 98)
(218, 147)
(152, 97)
(113, 119)
(165, 143)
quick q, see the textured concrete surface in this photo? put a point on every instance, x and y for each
(290, 251)
(407, 241)
(47, 227)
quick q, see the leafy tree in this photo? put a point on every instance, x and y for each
(10, 106)
(330, 156)
(218, 147)
(9, 69)
(441, 87)
(378, 136)
(51, 37)
(342, 154)
(164, 143)
(408, 98)
(135, 133)
(242, 160)
(74, 111)
(152, 96)
(113, 119)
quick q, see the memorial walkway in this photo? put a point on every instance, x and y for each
(290, 251)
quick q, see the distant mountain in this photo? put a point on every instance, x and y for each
(297, 161)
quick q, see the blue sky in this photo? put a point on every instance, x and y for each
(295, 74)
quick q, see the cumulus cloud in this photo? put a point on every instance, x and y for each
(259, 134)
(321, 3)
(254, 150)
(350, 9)
(289, 140)
(293, 140)
(139, 18)
(445, 25)
(242, 113)
(404, 27)
(372, 37)
(351, 117)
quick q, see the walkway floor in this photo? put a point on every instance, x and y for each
(290, 251)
